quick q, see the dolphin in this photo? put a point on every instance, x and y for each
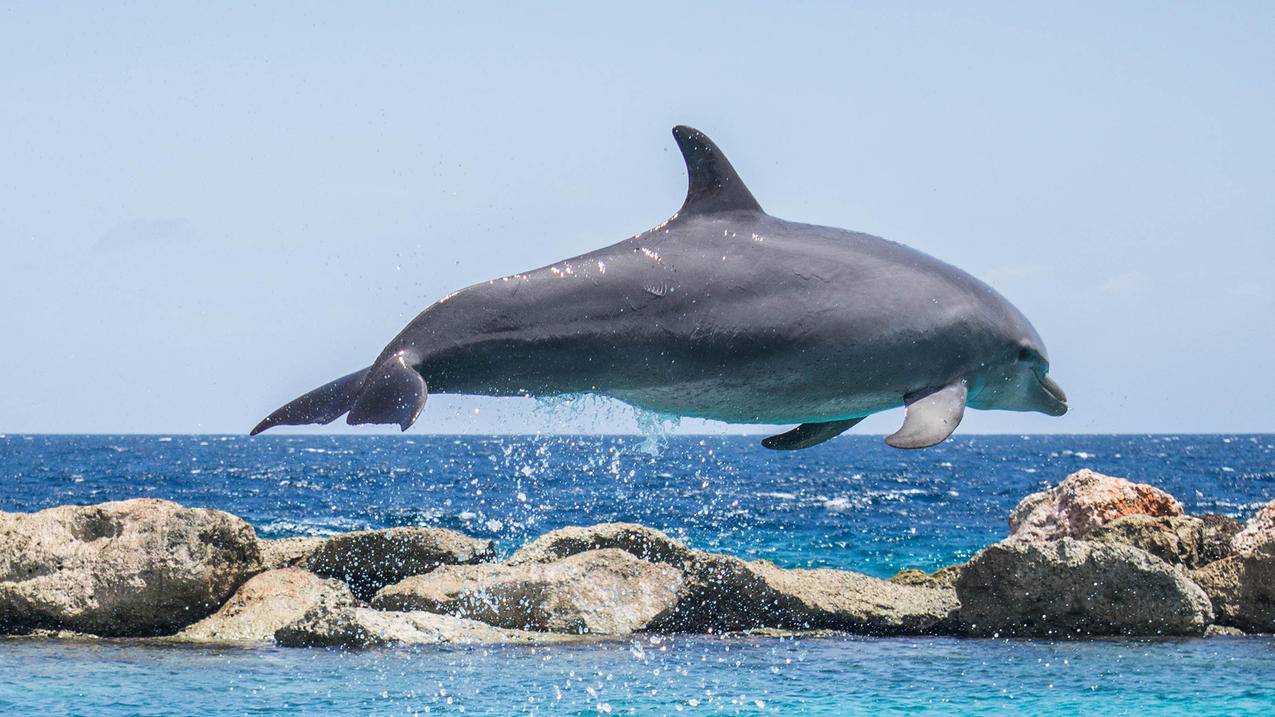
(722, 312)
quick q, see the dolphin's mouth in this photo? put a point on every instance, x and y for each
(1057, 404)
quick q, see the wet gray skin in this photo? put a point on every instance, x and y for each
(722, 312)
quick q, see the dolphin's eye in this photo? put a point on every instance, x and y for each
(1026, 354)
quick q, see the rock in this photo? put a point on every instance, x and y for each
(266, 603)
(355, 627)
(1223, 631)
(606, 592)
(1259, 533)
(944, 578)
(369, 560)
(1242, 588)
(134, 567)
(852, 602)
(639, 540)
(1176, 539)
(1072, 588)
(1083, 502)
(288, 552)
(722, 593)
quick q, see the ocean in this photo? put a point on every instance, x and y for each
(852, 503)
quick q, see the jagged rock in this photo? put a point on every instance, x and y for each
(369, 560)
(1071, 588)
(134, 567)
(721, 593)
(606, 592)
(1242, 588)
(1176, 539)
(355, 627)
(944, 578)
(288, 552)
(639, 540)
(1223, 631)
(266, 603)
(1259, 534)
(1083, 502)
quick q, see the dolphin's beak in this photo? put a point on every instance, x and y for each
(1055, 400)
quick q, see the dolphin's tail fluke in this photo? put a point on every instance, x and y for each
(389, 392)
(324, 404)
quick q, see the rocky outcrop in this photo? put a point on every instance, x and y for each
(134, 567)
(722, 593)
(1242, 588)
(1176, 539)
(292, 552)
(1083, 502)
(357, 627)
(605, 592)
(1074, 588)
(266, 603)
(369, 560)
(639, 540)
(1259, 534)
(943, 578)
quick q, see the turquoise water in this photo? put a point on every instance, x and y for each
(851, 504)
(687, 675)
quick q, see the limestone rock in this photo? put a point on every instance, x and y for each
(1259, 533)
(639, 540)
(1175, 539)
(1242, 588)
(944, 578)
(607, 592)
(288, 552)
(369, 560)
(722, 593)
(1072, 588)
(266, 603)
(1083, 502)
(134, 567)
(356, 627)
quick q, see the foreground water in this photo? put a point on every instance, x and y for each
(851, 504)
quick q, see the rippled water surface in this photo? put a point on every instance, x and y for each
(852, 503)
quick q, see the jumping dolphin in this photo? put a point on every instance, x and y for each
(721, 312)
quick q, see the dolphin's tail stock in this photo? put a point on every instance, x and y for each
(389, 392)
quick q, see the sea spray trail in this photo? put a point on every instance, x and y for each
(853, 504)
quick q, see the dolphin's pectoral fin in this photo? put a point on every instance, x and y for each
(808, 434)
(929, 417)
(713, 185)
(393, 393)
(324, 404)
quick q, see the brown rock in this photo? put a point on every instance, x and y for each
(266, 603)
(288, 552)
(1083, 502)
(1175, 539)
(721, 593)
(639, 540)
(944, 578)
(369, 560)
(606, 592)
(1259, 534)
(1242, 588)
(1072, 588)
(134, 567)
(356, 627)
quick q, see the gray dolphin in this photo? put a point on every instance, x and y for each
(721, 312)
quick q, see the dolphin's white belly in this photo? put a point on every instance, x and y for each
(735, 402)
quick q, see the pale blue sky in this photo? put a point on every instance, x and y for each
(206, 210)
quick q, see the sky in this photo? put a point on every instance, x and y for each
(209, 208)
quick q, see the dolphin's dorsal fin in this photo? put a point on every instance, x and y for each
(713, 185)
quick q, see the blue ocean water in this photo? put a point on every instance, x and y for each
(852, 503)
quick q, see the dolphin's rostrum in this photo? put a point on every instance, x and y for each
(721, 312)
